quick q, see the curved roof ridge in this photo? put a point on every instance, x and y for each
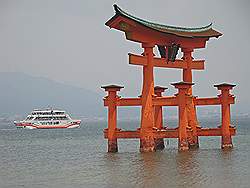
(118, 10)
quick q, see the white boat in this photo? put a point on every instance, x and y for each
(48, 119)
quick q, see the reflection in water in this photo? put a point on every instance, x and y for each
(149, 174)
(170, 168)
(188, 168)
(226, 172)
(112, 165)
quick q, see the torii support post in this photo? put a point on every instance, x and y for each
(187, 72)
(183, 88)
(147, 143)
(159, 142)
(193, 140)
(112, 116)
(226, 139)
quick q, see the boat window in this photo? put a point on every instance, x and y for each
(58, 113)
(60, 118)
(49, 118)
(43, 118)
(29, 118)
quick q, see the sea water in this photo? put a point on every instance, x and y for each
(77, 158)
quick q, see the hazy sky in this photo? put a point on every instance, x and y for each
(67, 41)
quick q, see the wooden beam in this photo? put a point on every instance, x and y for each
(158, 101)
(137, 59)
(161, 62)
(212, 101)
(129, 102)
(173, 133)
(169, 133)
(165, 101)
(207, 101)
(198, 64)
(169, 101)
(125, 102)
(125, 134)
(213, 132)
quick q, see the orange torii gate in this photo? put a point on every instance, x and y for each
(168, 39)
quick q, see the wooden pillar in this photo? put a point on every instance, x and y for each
(112, 116)
(226, 140)
(183, 88)
(193, 140)
(159, 142)
(187, 73)
(147, 143)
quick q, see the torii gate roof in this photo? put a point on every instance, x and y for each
(125, 22)
(195, 32)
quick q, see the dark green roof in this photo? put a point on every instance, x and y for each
(160, 87)
(224, 85)
(205, 31)
(182, 83)
(112, 86)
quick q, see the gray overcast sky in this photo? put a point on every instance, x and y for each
(67, 41)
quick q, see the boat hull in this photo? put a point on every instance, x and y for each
(33, 126)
